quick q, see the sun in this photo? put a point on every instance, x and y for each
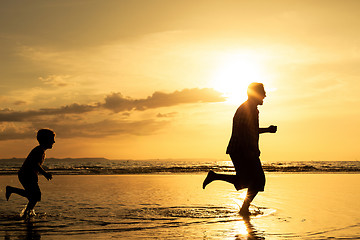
(233, 74)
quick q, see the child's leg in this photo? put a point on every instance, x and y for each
(34, 196)
(31, 192)
(10, 190)
(29, 207)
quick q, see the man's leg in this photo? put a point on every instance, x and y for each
(10, 190)
(250, 195)
(212, 176)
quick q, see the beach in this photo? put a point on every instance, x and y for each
(174, 206)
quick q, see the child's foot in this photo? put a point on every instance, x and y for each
(244, 212)
(27, 214)
(8, 192)
(209, 178)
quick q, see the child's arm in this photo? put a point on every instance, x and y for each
(47, 175)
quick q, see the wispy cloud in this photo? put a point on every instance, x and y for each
(166, 115)
(117, 103)
(7, 115)
(71, 129)
(56, 80)
(19, 102)
(107, 127)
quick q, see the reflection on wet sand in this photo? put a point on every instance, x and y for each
(30, 232)
(246, 231)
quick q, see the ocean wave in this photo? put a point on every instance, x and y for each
(94, 166)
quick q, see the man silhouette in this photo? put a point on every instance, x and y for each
(243, 148)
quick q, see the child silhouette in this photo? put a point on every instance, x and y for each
(29, 171)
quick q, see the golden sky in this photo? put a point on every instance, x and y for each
(147, 79)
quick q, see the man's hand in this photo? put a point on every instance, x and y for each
(272, 129)
(48, 176)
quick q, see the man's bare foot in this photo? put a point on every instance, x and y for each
(8, 192)
(209, 178)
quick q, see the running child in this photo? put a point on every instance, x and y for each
(32, 166)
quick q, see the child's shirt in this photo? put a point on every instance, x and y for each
(35, 159)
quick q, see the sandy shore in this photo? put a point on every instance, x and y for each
(293, 206)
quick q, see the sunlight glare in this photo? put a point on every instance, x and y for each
(234, 73)
(241, 230)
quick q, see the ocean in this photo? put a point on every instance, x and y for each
(94, 166)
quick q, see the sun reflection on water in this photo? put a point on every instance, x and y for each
(244, 230)
(241, 230)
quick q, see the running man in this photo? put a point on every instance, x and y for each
(243, 148)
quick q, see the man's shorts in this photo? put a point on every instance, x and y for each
(249, 172)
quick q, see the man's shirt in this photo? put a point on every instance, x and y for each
(245, 131)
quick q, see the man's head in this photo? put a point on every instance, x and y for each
(46, 138)
(256, 93)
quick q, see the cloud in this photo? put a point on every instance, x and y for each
(10, 132)
(56, 80)
(166, 115)
(19, 102)
(71, 129)
(108, 127)
(7, 115)
(70, 120)
(118, 103)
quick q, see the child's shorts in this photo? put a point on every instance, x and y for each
(31, 186)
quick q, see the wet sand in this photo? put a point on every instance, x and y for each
(293, 206)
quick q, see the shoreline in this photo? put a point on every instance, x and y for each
(182, 173)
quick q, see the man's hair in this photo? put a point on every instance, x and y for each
(254, 89)
(43, 135)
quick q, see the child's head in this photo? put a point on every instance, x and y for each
(46, 138)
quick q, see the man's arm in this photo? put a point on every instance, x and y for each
(270, 129)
